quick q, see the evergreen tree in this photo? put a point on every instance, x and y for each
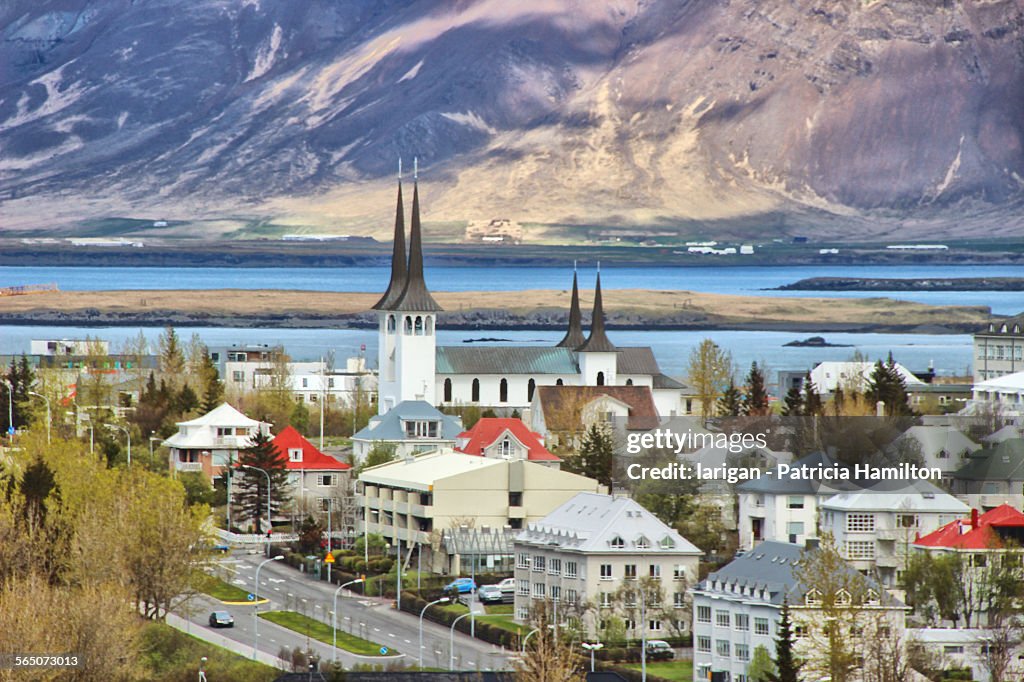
(251, 485)
(793, 405)
(594, 458)
(787, 668)
(172, 356)
(20, 377)
(812, 401)
(380, 453)
(213, 389)
(730, 404)
(186, 400)
(886, 384)
(755, 397)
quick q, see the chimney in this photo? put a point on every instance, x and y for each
(974, 519)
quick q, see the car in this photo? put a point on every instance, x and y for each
(508, 585)
(490, 594)
(222, 548)
(461, 585)
(221, 619)
(659, 649)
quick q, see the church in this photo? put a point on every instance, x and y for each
(413, 367)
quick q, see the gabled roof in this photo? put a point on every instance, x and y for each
(590, 522)
(489, 429)
(1005, 383)
(636, 360)
(1004, 462)
(936, 439)
(981, 534)
(910, 496)
(563, 405)
(388, 426)
(290, 439)
(224, 415)
(505, 360)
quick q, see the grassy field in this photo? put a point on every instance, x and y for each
(678, 671)
(170, 655)
(218, 589)
(321, 631)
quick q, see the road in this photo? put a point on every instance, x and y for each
(372, 619)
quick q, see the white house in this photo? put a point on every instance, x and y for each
(1003, 395)
(828, 376)
(580, 554)
(964, 648)
(942, 447)
(210, 443)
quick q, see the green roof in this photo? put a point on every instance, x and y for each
(1004, 462)
(505, 360)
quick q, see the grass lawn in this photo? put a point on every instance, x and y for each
(218, 589)
(321, 631)
(169, 654)
(678, 671)
(496, 609)
(504, 621)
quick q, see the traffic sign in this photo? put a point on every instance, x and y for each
(10, 430)
(329, 559)
(383, 651)
(251, 597)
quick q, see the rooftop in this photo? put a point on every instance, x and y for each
(489, 429)
(289, 439)
(389, 426)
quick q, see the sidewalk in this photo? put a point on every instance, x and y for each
(179, 623)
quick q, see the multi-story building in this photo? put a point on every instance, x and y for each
(412, 427)
(210, 443)
(412, 500)
(999, 349)
(875, 528)
(828, 376)
(737, 609)
(1002, 396)
(582, 555)
(993, 476)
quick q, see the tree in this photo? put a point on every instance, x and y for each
(186, 400)
(549, 654)
(311, 533)
(213, 389)
(812, 400)
(886, 384)
(761, 667)
(595, 456)
(730, 404)
(787, 669)
(793, 405)
(755, 396)
(708, 371)
(172, 357)
(379, 453)
(251, 489)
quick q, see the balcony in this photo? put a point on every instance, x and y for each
(888, 561)
(188, 466)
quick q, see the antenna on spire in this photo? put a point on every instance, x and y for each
(399, 167)
(599, 266)
(574, 265)
(415, 167)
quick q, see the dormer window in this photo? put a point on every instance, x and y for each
(813, 598)
(643, 543)
(421, 428)
(617, 542)
(505, 448)
(667, 543)
(843, 598)
(294, 454)
(872, 598)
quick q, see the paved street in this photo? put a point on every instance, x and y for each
(372, 619)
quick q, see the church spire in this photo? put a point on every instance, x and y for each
(415, 296)
(598, 341)
(398, 263)
(574, 337)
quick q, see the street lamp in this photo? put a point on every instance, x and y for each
(451, 641)
(592, 648)
(151, 439)
(334, 618)
(527, 638)
(442, 600)
(10, 405)
(47, 401)
(269, 522)
(256, 605)
(129, 436)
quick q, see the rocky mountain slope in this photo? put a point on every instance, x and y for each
(856, 116)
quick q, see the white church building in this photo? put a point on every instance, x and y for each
(413, 367)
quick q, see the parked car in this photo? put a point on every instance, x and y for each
(222, 548)
(508, 585)
(659, 650)
(490, 594)
(221, 619)
(461, 585)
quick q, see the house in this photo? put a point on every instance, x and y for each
(592, 545)
(992, 476)
(737, 609)
(999, 349)
(505, 438)
(965, 648)
(942, 447)
(564, 413)
(828, 376)
(412, 427)
(1002, 395)
(939, 397)
(314, 477)
(411, 501)
(875, 527)
(210, 443)
(413, 367)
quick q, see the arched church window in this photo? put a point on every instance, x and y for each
(419, 325)
(503, 391)
(430, 326)
(476, 391)
(600, 378)
(447, 390)
(559, 383)
(391, 323)
(629, 382)
(408, 325)
(530, 388)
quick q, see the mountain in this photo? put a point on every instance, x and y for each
(854, 117)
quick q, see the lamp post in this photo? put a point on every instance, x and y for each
(451, 641)
(256, 605)
(334, 618)
(269, 523)
(643, 636)
(10, 405)
(128, 434)
(527, 638)
(330, 540)
(442, 600)
(151, 439)
(592, 648)
(47, 401)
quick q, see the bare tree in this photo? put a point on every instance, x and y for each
(709, 370)
(549, 655)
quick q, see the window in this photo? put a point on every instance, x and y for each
(224, 431)
(570, 569)
(860, 523)
(421, 428)
(722, 648)
(556, 592)
(630, 624)
(559, 382)
(294, 454)
(654, 625)
(679, 572)
(538, 590)
(305, 382)
(475, 393)
(952, 649)
(630, 571)
(678, 599)
(391, 323)
(419, 325)
(722, 619)
(238, 377)
(643, 543)
(704, 645)
(325, 480)
(503, 391)
(606, 571)
(741, 621)
(667, 543)
(812, 598)
(862, 550)
(743, 652)
(605, 599)
(447, 390)
(538, 563)
(630, 599)
(522, 613)
(515, 499)
(571, 596)
(655, 571)
(600, 378)
(523, 588)
(760, 626)
(795, 502)
(531, 386)
(795, 528)
(555, 566)
(523, 560)
(629, 382)
(703, 614)
(799, 630)
(907, 521)
(617, 542)
(324, 503)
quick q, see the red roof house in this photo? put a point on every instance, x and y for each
(506, 438)
(302, 455)
(980, 532)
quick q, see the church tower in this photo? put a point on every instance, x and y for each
(574, 336)
(408, 322)
(597, 356)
